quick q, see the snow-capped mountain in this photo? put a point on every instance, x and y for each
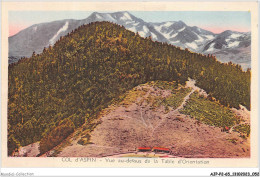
(38, 36)
(227, 46)
(130, 22)
(178, 33)
(231, 46)
(228, 40)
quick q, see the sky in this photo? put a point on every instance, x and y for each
(216, 22)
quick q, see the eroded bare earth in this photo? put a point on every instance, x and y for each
(31, 150)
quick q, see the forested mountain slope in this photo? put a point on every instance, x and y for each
(85, 71)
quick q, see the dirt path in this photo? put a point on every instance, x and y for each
(191, 84)
(186, 98)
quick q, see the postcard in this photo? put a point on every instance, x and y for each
(129, 84)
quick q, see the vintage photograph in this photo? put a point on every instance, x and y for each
(144, 84)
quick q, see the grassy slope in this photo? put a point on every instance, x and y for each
(213, 113)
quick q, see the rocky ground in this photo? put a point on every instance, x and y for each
(31, 150)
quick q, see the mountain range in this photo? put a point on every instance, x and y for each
(226, 46)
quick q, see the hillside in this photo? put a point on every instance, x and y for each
(53, 94)
(152, 115)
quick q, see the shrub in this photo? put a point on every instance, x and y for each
(243, 129)
(85, 140)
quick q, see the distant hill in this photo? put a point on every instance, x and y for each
(57, 91)
(38, 36)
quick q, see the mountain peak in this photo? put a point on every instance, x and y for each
(181, 23)
(233, 32)
(122, 12)
(114, 16)
(123, 15)
(227, 32)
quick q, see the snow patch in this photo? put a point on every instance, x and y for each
(98, 16)
(166, 35)
(167, 24)
(110, 17)
(142, 33)
(135, 24)
(128, 22)
(126, 16)
(192, 45)
(209, 36)
(62, 29)
(154, 36)
(133, 29)
(181, 29)
(175, 41)
(233, 44)
(174, 35)
(158, 28)
(227, 40)
(132, 23)
(235, 35)
(146, 30)
(200, 39)
(35, 28)
(211, 48)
